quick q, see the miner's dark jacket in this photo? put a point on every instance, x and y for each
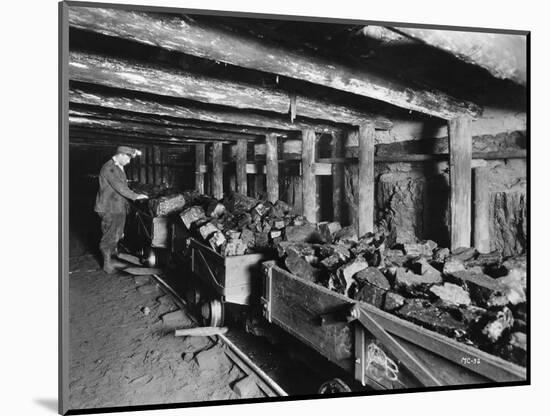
(113, 190)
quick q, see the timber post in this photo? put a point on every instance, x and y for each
(460, 165)
(217, 170)
(365, 208)
(309, 181)
(199, 166)
(272, 168)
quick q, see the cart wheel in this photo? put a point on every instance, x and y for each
(150, 257)
(334, 386)
(193, 295)
(212, 313)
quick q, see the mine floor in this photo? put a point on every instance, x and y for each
(120, 355)
(123, 351)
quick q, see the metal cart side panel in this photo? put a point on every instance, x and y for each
(234, 278)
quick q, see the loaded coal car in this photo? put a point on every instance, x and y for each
(230, 239)
(152, 229)
(414, 315)
(221, 242)
(390, 315)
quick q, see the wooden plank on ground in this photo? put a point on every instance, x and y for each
(142, 271)
(129, 258)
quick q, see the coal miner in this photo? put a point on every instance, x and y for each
(112, 204)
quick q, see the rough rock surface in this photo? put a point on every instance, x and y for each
(429, 316)
(393, 301)
(451, 293)
(413, 197)
(484, 290)
(415, 284)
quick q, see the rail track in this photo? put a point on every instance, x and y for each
(259, 359)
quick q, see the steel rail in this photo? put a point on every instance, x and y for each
(268, 385)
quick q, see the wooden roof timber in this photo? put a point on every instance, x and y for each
(154, 79)
(183, 34)
(81, 140)
(503, 55)
(94, 134)
(99, 112)
(160, 106)
(187, 133)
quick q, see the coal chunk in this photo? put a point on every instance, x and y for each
(431, 317)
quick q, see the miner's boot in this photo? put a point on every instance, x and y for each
(107, 262)
(116, 263)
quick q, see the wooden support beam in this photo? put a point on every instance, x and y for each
(135, 127)
(229, 169)
(150, 167)
(272, 168)
(200, 152)
(255, 168)
(187, 35)
(482, 240)
(156, 165)
(259, 177)
(135, 170)
(217, 170)
(79, 110)
(142, 165)
(242, 184)
(169, 107)
(365, 183)
(437, 157)
(115, 136)
(164, 174)
(153, 79)
(337, 177)
(460, 164)
(309, 192)
(232, 178)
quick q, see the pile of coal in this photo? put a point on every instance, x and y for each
(151, 190)
(478, 299)
(238, 224)
(163, 201)
(172, 203)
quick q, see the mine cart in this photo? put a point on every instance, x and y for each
(232, 279)
(379, 349)
(154, 238)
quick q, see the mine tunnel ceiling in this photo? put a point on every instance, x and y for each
(182, 79)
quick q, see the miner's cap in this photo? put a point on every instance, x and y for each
(130, 151)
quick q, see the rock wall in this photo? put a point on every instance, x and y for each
(414, 202)
(412, 198)
(508, 208)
